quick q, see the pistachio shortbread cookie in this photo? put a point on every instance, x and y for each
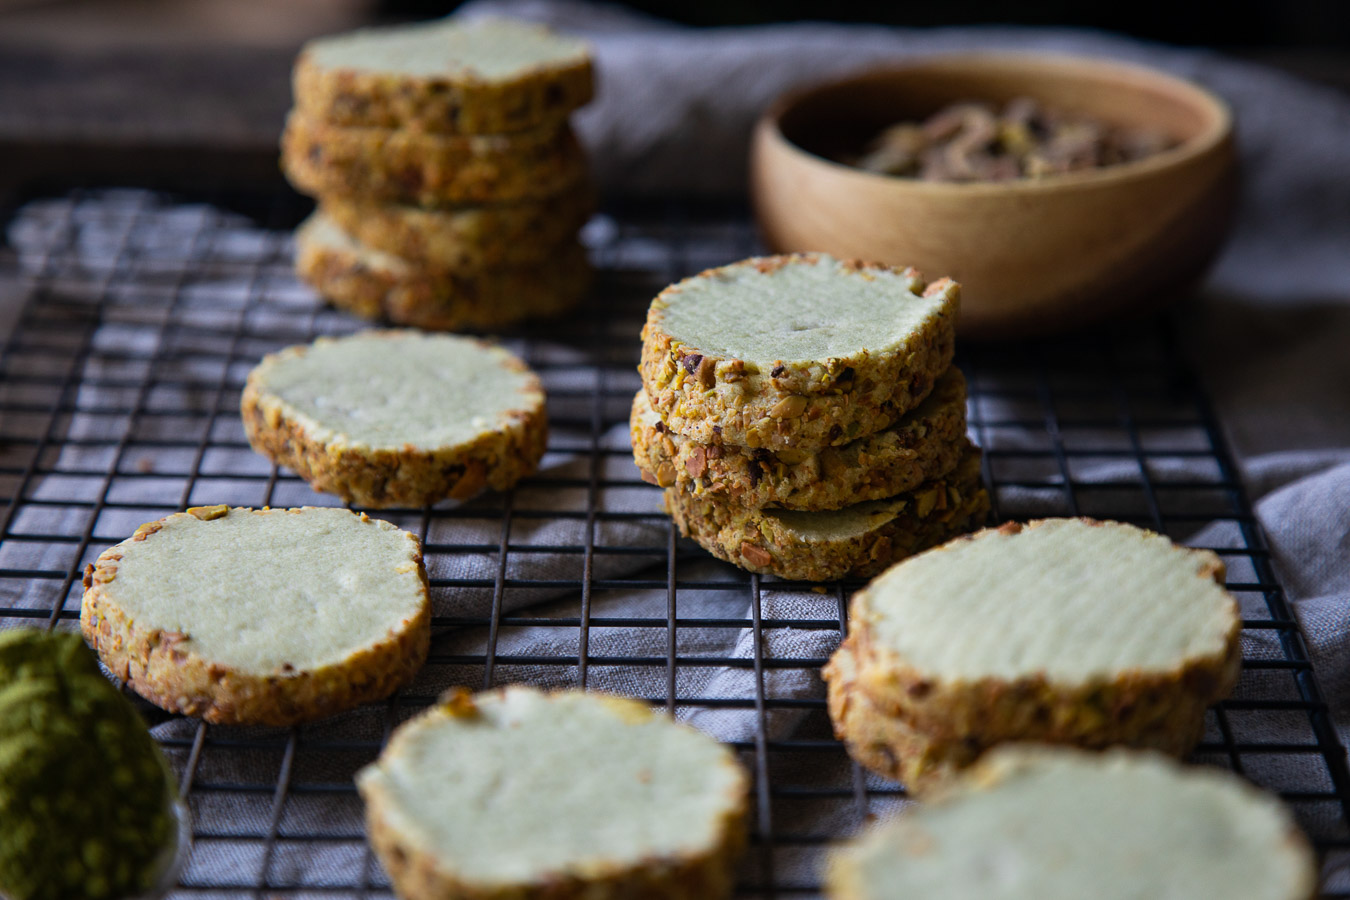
(398, 418)
(855, 541)
(925, 444)
(1039, 823)
(388, 165)
(260, 616)
(1060, 631)
(801, 351)
(521, 794)
(470, 238)
(375, 285)
(470, 77)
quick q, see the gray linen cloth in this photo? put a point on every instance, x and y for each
(673, 116)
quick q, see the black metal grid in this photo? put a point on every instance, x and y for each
(118, 404)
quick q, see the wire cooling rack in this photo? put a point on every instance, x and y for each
(140, 316)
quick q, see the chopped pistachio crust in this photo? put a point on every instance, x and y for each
(925, 444)
(857, 541)
(452, 100)
(712, 395)
(1112, 707)
(377, 286)
(417, 876)
(886, 744)
(419, 872)
(467, 239)
(503, 452)
(161, 666)
(382, 165)
(946, 723)
(1145, 713)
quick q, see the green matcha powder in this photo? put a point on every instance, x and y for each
(83, 788)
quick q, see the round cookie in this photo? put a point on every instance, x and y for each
(1035, 823)
(264, 617)
(1060, 631)
(376, 285)
(397, 418)
(475, 77)
(795, 352)
(925, 444)
(386, 165)
(856, 541)
(469, 238)
(521, 794)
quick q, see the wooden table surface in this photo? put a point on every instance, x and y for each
(152, 92)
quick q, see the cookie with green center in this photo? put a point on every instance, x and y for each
(260, 617)
(855, 541)
(377, 285)
(517, 794)
(924, 444)
(448, 76)
(1036, 823)
(795, 352)
(392, 165)
(470, 238)
(398, 418)
(1064, 631)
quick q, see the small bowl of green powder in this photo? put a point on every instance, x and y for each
(86, 796)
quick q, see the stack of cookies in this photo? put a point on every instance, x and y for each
(804, 417)
(449, 182)
(1061, 631)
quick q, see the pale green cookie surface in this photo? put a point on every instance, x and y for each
(1031, 824)
(839, 524)
(1066, 598)
(530, 785)
(481, 50)
(260, 590)
(809, 308)
(398, 389)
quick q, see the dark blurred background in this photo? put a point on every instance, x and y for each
(176, 91)
(1296, 23)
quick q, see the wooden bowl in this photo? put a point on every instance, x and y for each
(1032, 256)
